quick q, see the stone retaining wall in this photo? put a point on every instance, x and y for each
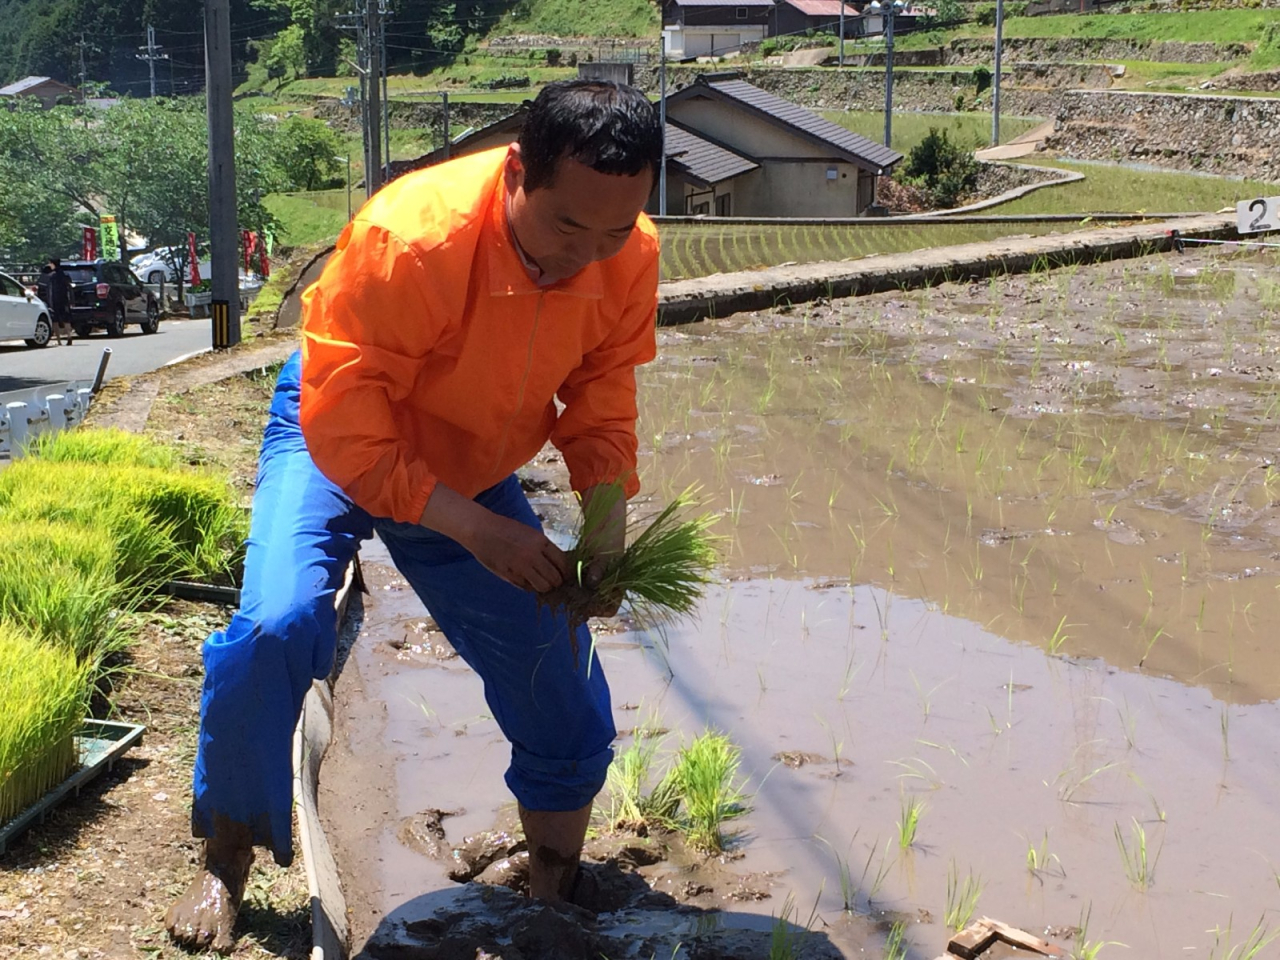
(934, 91)
(1231, 136)
(974, 51)
(428, 114)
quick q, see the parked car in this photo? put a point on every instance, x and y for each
(23, 315)
(106, 294)
(154, 268)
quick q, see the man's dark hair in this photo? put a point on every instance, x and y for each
(610, 127)
(55, 262)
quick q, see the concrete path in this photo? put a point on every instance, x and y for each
(1020, 146)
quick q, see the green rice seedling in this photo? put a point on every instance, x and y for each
(1060, 636)
(1070, 786)
(912, 810)
(44, 692)
(1082, 947)
(1039, 858)
(662, 573)
(787, 936)
(1139, 866)
(630, 806)
(1248, 949)
(104, 446)
(706, 775)
(58, 583)
(165, 523)
(895, 944)
(962, 898)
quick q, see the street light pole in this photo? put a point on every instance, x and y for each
(995, 89)
(890, 10)
(842, 33)
(662, 120)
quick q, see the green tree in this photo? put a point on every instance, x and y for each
(306, 150)
(286, 58)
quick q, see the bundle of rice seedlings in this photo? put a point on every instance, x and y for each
(705, 775)
(95, 445)
(662, 573)
(44, 692)
(58, 583)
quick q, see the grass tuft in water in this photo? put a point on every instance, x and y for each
(962, 898)
(912, 810)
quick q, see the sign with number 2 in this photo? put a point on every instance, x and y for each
(1258, 216)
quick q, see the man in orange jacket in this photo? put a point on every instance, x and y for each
(461, 304)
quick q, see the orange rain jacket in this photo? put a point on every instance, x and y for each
(429, 354)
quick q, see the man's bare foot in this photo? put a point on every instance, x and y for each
(205, 915)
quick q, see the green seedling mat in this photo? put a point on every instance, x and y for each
(100, 744)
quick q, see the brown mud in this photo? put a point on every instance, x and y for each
(1007, 550)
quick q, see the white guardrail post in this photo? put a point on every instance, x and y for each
(21, 422)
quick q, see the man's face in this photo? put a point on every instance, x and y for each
(582, 216)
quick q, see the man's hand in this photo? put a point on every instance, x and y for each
(518, 554)
(609, 543)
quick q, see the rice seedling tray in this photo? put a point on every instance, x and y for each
(100, 744)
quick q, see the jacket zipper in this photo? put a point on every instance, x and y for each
(524, 382)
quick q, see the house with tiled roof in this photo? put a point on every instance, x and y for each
(734, 150)
(790, 162)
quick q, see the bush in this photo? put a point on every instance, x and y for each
(946, 170)
(554, 56)
(981, 78)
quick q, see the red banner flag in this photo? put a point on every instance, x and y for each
(264, 264)
(90, 242)
(195, 259)
(249, 240)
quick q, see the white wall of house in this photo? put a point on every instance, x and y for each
(705, 41)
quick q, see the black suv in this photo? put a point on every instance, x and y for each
(106, 294)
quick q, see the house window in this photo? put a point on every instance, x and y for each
(723, 205)
(742, 13)
(700, 209)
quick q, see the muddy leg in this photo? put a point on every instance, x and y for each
(205, 915)
(555, 844)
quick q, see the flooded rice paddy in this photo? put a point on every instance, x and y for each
(1001, 559)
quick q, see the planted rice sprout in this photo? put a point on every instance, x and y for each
(912, 809)
(706, 776)
(962, 898)
(662, 573)
(44, 692)
(631, 805)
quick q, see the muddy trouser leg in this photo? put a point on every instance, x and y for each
(555, 712)
(303, 533)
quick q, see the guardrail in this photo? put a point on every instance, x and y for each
(21, 421)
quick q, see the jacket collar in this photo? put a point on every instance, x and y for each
(507, 273)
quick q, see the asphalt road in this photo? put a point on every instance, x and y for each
(26, 370)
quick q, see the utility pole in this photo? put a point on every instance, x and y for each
(151, 56)
(995, 81)
(662, 120)
(224, 235)
(82, 68)
(386, 121)
(373, 172)
(448, 145)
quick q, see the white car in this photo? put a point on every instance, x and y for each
(23, 315)
(153, 268)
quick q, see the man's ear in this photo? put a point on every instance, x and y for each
(513, 169)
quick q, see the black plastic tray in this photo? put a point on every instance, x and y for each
(100, 743)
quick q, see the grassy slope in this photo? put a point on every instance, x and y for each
(573, 18)
(910, 128)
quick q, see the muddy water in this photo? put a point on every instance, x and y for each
(1008, 549)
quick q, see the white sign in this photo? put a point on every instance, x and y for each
(1257, 216)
